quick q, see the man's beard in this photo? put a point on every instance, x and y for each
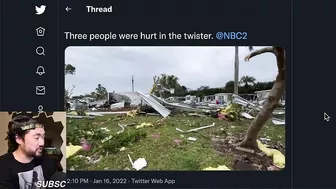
(39, 152)
(36, 153)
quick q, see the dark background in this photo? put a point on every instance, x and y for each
(150, 16)
(300, 26)
(19, 60)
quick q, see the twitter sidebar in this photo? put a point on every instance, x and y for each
(33, 49)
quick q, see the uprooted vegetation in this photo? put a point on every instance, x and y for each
(163, 147)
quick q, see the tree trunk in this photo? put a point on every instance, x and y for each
(246, 88)
(250, 140)
(236, 71)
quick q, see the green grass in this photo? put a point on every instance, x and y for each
(160, 153)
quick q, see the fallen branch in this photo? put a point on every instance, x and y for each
(260, 51)
(244, 149)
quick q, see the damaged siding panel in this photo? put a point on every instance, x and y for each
(155, 104)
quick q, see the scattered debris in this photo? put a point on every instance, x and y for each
(85, 144)
(122, 128)
(192, 139)
(198, 115)
(180, 130)
(180, 106)
(243, 166)
(177, 141)
(277, 121)
(106, 113)
(261, 154)
(117, 105)
(130, 159)
(219, 168)
(152, 114)
(237, 110)
(244, 149)
(94, 159)
(155, 135)
(109, 119)
(239, 100)
(107, 139)
(142, 125)
(222, 116)
(196, 129)
(230, 112)
(79, 117)
(155, 104)
(278, 158)
(94, 114)
(259, 167)
(279, 111)
(72, 150)
(250, 107)
(105, 129)
(265, 139)
(132, 113)
(246, 115)
(138, 164)
(273, 168)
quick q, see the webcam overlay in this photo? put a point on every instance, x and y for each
(175, 108)
(35, 136)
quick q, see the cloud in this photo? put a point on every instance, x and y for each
(113, 67)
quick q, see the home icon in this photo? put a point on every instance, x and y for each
(40, 32)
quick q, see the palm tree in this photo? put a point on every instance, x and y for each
(246, 81)
(169, 82)
(236, 69)
(250, 140)
(68, 70)
(166, 81)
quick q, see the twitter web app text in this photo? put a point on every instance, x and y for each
(161, 93)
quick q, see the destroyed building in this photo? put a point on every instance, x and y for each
(117, 97)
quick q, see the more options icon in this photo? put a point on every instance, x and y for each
(40, 31)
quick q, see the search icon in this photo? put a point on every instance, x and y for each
(40, 51)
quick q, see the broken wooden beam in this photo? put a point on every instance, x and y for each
(245, 150)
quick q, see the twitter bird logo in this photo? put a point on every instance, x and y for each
(40, 10)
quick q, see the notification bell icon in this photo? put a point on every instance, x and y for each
(40, 70)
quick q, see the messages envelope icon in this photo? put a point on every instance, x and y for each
(40, 90)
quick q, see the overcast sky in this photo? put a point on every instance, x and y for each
(113, 67)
